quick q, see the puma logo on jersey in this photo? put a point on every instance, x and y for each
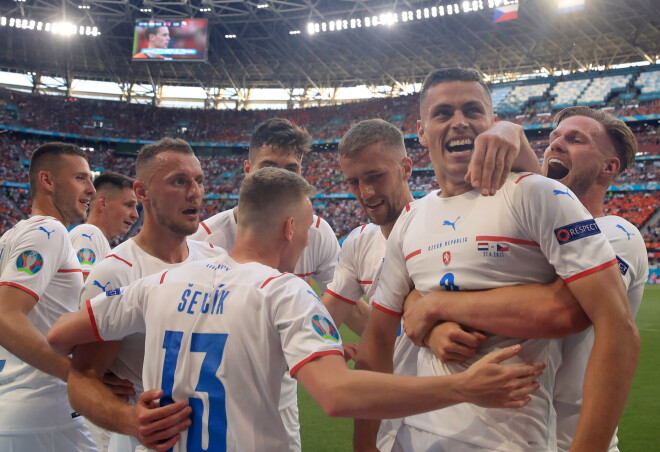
(559, 192)
(89, 236)
(628, 234)
(452, 224)
(48, 233)
(98, 284)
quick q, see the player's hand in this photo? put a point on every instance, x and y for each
(120, 387)
(418, 319)
(159, 428)
(493, 385)
(492, 157)
(350, 351)
(450, 343)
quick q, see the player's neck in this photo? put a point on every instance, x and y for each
(593, 201)
(94, 219)
(164, 245)
(48, 209)
(245, 251)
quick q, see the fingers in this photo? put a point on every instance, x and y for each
(502, 355)
(149, 396)
(163, 446)
(350, 351)
(151, 416)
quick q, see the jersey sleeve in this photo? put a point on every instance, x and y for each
(345, 285)
(36, 256)
(327, 250)
(394, 283)
(120, 312)
(107, 275)
(568, 235)
(304, 325)
(90, 248)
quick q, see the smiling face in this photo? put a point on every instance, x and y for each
(578, 152)
(378, 178)
(172, 191)
(72, 188)
(452, 115)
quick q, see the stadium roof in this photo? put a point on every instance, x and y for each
(264, 53)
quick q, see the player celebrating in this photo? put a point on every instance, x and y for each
(170, 185)
(588, 149)
(445, 239)
(279, 143)
(112, 211)
(222, 331)
(372, 155)
(40, 279)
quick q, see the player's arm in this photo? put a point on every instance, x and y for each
(496, 151)
(71, 329)
(344, 311)
(348, 393)
(375, 353)
(21, 338)
(507, 311)
(613, 358)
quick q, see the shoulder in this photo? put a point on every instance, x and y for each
(46, 231)
(219, 220)
(363, 233)
(321, 227)
(122, 256)
(204, 249)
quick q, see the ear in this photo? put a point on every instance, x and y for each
(140, 190)
(420, 133)
(46, 180)
(611, 167)
(101, 200)
(246, 166)
(407, 165)
(495, 117)
(289, 228)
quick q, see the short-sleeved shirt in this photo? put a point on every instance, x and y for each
(356, 275)
(126, 263)
(90, 245)
(220, 334)
(631, 256)
(317, 261)
(533, 229)
(36, 257)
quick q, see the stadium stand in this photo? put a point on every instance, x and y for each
(601, 87)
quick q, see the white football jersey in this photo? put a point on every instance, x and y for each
(90, 245)
(36, 256)
(631, 256)
(356, 275)
(317, 261)
(126, 263)
(533, 229)
(219, 335)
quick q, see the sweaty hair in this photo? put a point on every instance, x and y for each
(46, 158)
(280, 133)
(368, 132)
(454, 74)
(622, 138)
(148, 152)
(267, 193)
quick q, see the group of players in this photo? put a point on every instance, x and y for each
(486, 273)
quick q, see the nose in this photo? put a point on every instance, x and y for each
(196, 190)
(134, 214)
(366, 191)
(459, 121)
(557, 144)
(90, 188)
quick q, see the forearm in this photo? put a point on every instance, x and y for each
(357, 317)
(90, 397)
(530, 311)
(338, 309)
(605, 390)
(21, 338)
(526, 159)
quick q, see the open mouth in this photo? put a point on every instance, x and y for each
(461, 145)
(191, 211)
(557, 169)
(374, 205)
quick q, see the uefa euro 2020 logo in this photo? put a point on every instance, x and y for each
(325, 328)
(29, 262)
(86, 256)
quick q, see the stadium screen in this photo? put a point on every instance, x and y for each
(170, 40)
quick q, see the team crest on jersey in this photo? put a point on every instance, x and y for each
(29, 262)
(446, 257)
(325, 328)
(576, 231)
(86, 256)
